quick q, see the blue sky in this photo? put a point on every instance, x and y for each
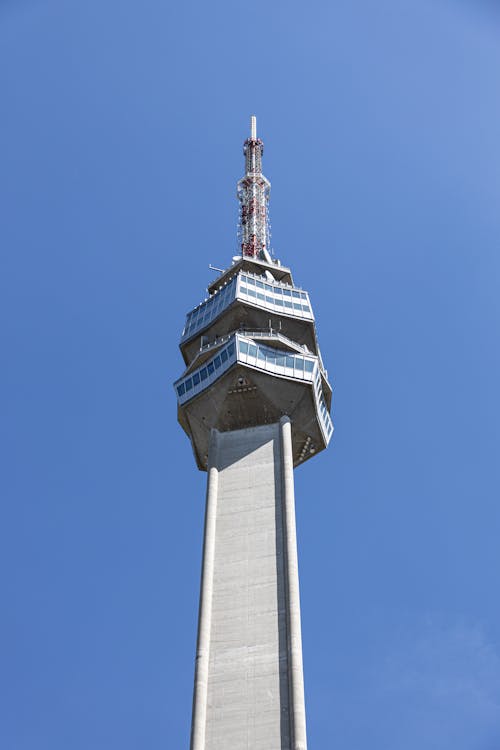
(121, 132)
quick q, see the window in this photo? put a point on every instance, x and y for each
(243, 289)
(296, 295)
(287, 292)
(252, 350)
(269, 300)
(261, 354)
(189, 384)
(230, 349)
(296, 306)
(243, 347)
(210, 368)
(223, 355)
(181, 389)
(306, 308)
(196, 378)
(260, 296)
(217, 362)
(299, 363)
(260, 284)
(251, 292)
(287, 303)
(203, 373)
(289, 362)
(309, 365)
(280, 360)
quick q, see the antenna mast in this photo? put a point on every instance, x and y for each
(253, 195)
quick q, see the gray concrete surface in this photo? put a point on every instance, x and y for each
(249, 691)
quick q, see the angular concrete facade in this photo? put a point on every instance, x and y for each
(249, 685)
(255, 401)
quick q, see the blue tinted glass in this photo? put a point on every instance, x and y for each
(287, 304)
(280, 360)
(217, 362)
(309, 365)
(243, 289)
(243, 347)
(303, 295)
(287, 292)
(297, 307)
(278, 302)
(251, 281)
(210, 368)
(189, 384)
(306, 308)
(289, 362)
(252, 350)
(230, 349)
(260, 284)
(299, 363)
(259, 295)
(181, 389)
(251, 292)
(203, 373)
(296, 295)
(223, 355)
(261, 354)
(196, 378)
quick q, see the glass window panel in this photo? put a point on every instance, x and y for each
(230, 349)
(261, 354)
(181, 389)
(252, 350)
(287, 292)
(223, 355)
(252, 292)
(296, 295)
(251, 281)
(289, 362)
(189, 384)
(268, 288)
(299, 363)
(278, 302)
(243, 347)
(260, 296)
(243, 289)
(217, 362)
(196, 378)
(287, 304)
(280, 360)
(203, 373)
(296, 306)
(303, 295)
(270, 300)
(309, 366)
(210, 368)
(259, 284)
(306, 308)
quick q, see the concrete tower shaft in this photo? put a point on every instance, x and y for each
(255, 401)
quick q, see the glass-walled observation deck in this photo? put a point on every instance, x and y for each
(273, 296)
(243, 350)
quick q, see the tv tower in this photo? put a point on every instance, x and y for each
(255, 402)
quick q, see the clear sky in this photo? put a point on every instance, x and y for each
(121, 135)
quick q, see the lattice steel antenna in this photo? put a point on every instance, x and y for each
(253, 195)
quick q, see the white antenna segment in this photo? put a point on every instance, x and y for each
(253, 127)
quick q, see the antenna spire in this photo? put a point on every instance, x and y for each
(253, 195)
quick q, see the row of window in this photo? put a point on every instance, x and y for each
(207, 372)
(283, 299)
(201, 316)
(275, 357)
(271, 288)
(284, 303)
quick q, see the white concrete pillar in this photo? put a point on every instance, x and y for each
(295, 668)
(198, 727)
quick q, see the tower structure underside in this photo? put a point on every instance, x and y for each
(255, 401)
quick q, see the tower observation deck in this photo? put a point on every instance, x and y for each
(255, 402)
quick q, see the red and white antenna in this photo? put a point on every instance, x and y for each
(253, 195)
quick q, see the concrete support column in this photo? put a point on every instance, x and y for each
(295, 668)
(198, 727)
